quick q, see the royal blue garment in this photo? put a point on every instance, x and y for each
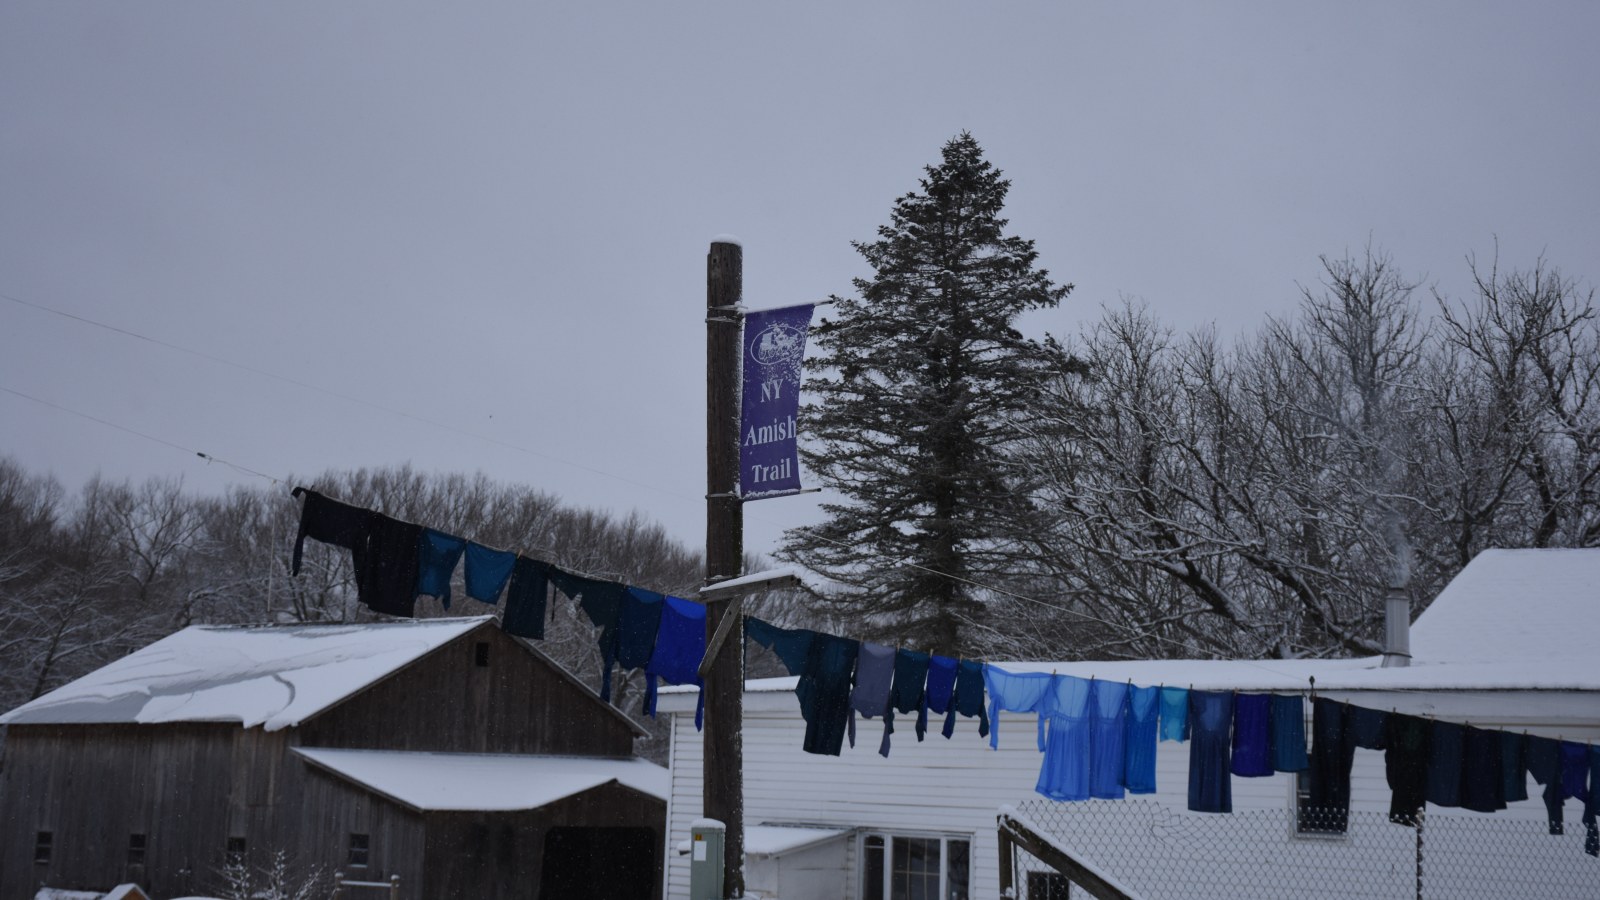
(968, 697)
(1287, 741)
(602, 602)
(437, 556)
(941, 688)
(1108, 739)
(1065, 771)
(1174, 714)
(680, 645)
(1333, 750)
(907, 694)
(1482, 782)
(1019, 692)
(1252, 721)
(525, 599)
(1210, 721)
(1139, 766)
(1446, 745)
(487, 572)
(874, 677)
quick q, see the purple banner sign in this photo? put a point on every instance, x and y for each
(769, 456)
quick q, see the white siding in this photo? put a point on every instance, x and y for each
(948, 786)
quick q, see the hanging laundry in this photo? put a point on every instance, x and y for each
(1513, 766)
(1019, 692)
(941, 688)
(438, 554)
(1252, 733)
(1591, 806)
(1108, 745)
(1139, 767)
(525, 598)
(386, 566)
(680, 645)
(1544, 764)
(637, 626)
(824, 663)
(1364, 727)
(1482, 782)
(1174, 714)
(487, 572)
(1210, 720)
(906, 696)
(1286, 745)
(329, 521)
(1333, 750)
(1405, 763)
(968, 697)
(1574, 770)
(874, 678)
(602, 602)
(1446, 744)
(1066, 770)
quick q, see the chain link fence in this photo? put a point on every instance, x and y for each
(1156, 852)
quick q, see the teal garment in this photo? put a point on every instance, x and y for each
(968, 697)
(526, 597)
(908, 695)
(1139, 767)
(487, 572)
(602, 602)
(437, 556)
(1287, 741)
(1174, 714)
(825, 664)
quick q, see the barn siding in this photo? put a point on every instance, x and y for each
(445, 702)
(951, 786)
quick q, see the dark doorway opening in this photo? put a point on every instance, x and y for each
(598, 864)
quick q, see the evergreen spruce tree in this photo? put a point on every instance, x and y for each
(918, 391)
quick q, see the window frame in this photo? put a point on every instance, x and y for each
(945, 838)
(365, 849)
(237, 849)
(138, 846)
(44, 843)
(1300, 804)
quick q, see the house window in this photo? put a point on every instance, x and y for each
(135, 849)
(41, 847)
(914, 867)
(236, 850)
(1310, 821)
(1049, 886)
(359, 844)
(482, 654)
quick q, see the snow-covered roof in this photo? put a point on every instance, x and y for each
(484, 782)
(774, 840)
(1523, 605)
(272, 676)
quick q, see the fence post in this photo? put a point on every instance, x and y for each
(1420, 813)
(394, 887)
(338, 885)
(1007, 866)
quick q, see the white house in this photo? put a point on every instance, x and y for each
(1510, 643)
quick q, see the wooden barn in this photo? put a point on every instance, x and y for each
(444, 752)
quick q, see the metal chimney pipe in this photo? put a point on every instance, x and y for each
(1396, 629)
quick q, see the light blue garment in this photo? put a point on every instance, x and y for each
(438, 553)
(1174, 714)
(487, 572)
(1139, 766)
(1064, 774)
(1023, 692)
(1108, 721)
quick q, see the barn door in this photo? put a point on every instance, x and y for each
(598, 864)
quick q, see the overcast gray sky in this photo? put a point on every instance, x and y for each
(495, 216)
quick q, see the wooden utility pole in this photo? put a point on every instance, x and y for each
(724, 751)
